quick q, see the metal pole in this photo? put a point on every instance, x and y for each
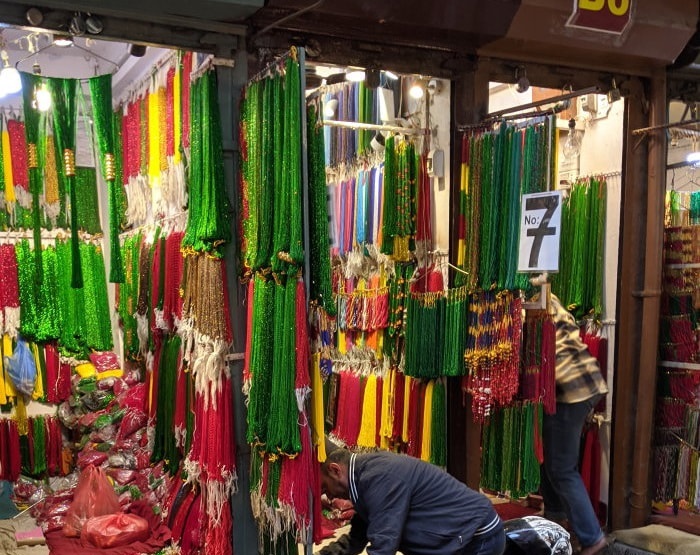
(567, 96)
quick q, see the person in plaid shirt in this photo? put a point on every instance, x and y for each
(579, 386)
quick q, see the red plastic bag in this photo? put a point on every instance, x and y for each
(115, 530)
(94, 496)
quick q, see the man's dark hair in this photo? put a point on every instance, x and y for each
(340, 455)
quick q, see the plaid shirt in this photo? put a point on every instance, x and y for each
(578, 374)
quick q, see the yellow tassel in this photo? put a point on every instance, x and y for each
(7, 352)
(406, 408)
(7, 169)
(427, 422)
(177, 115)
(153, 139)
(39, 382)
(3, 395)
(50, 173)
(368, 425)
(317, 422)
(21, 416)
(464, 185)
(342, 346)
(163, 119)
(387, 409)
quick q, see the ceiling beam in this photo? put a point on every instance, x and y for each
(186, 34)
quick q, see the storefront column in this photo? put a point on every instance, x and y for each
(470, 103)
(639, 297)
(231, 81)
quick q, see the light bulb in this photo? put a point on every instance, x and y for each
(355, 75)
(416, 91)
(572, 145)
(42, 98)
(329, 108)
(10, 81)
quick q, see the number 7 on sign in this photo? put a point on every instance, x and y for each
(539, 227)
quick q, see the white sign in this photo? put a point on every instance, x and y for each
(540, 230)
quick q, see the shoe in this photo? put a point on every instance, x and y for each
(596, 548)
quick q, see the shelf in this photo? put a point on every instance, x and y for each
(680, 365)
(681, 266)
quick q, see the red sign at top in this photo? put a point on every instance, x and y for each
(608, 16)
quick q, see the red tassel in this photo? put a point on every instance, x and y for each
(302, 381)
(172, 300)
(155, 285)
(9, 292)
(548, 366)
(170, 113)
(397, 429)
(185, 98)
(218, 535)
(18, 153)
(378, 415)
(424, 230)
(296, 480)
(414, 418)
(15, 465)
(347, 426)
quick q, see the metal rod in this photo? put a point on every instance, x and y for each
(681, 365)
(567, 96)
(643, 130)
(683, 164)
(599, 174)
(377, 127)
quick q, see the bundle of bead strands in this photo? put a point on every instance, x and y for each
(31, 117)
(101, 100)
(425, 316)
(63, 94)
(512, 449)
(9, 291)
(579, 284)
(319, 255)
(538, 374)
(492, 356)
(209, 208)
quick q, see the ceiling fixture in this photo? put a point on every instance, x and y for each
(10, 82)
(372, 78)
(93, 24)
(62, 40)
(137, 50)
(77, 25)
(434, 86)
(34, 16)
(614, 93)
(522, 83)
(572, 145)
